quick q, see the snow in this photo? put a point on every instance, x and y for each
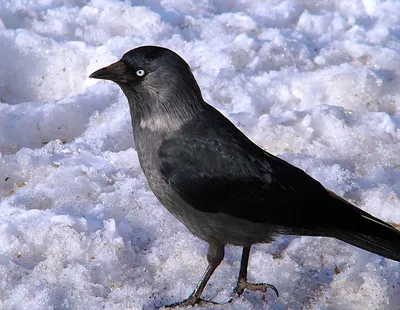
(314, 82)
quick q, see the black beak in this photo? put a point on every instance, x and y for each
(114, 72)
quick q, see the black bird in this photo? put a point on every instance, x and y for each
(219, 184)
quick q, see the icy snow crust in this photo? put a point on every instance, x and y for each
(314, 82)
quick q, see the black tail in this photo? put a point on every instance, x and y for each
(367, 232)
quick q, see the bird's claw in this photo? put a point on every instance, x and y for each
(191, 301)
(261, 287)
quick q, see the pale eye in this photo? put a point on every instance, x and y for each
(140, 72)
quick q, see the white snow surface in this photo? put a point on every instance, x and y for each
(314, 82)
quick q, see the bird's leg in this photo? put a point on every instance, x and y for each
(214, 256)
(242, 283)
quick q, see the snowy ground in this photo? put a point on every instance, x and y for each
(314, 82)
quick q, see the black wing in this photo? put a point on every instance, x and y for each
(215, 168)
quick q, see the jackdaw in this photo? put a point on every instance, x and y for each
(219, 184)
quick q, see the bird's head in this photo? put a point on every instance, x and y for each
(156, 82)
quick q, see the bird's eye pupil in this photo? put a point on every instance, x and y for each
(140, 72)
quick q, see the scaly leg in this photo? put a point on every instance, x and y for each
(242, 283)
(214, 256)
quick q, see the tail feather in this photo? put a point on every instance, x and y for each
(386, 245)
(368, 232)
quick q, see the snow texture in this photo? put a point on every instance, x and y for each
(314, 82)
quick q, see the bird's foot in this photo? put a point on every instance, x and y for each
(261, 287)
(191, 301)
